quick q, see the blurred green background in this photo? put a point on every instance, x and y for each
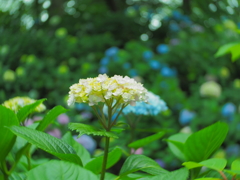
(168, 45)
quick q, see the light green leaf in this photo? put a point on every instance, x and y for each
(180, 174)
(202, 144)
(18, 176)
(90, 130)
(235, 50)
(224, 49)
(109, 176)
(208, 179)
(60, 170)
(176, 144)
(23, 113)
(50, 117)
(135, 176)
(47, 143)
(141, 163)
(142, 142)
(7, 119)
(95, 165)
(214, 163)
(80, 150)
(235, 165)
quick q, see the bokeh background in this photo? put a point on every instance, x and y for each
(168, 45)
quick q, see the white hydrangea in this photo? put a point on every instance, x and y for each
(104, 89)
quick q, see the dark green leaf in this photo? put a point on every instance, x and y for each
(202, 144)
(7, 119)
(47, 143)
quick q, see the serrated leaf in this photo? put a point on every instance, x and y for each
(80, 150)
(50, 117)
(7, 119)
(176, 144)
(144, 141)
(60, 170)
(23, 113)
(47, 143)
(95, 165)
(140, 162)
(90, 130)
(214, 163)
(180, 174)
(202, 144)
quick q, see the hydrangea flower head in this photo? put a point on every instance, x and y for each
(210, 89)
(154, 106)
(124, 90)
(186, 116)
(17, 103)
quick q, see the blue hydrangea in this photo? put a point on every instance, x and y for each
(162, 48)
(228, 110)
(104, 61)
(154, 106)
(103, 70)
(126, 66)
(112, 51)
(186, 116)
(133, 72)
(177, 15)
(147, 55)
(86, 141)
(155, 64)
(168, 72)
(173, 26)
(233, 150)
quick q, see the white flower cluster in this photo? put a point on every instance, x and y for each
(104, 88)
(18, 102)
(210, 89)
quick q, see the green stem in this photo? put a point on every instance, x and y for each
(5, 170)
(105, 157)
(28, 156)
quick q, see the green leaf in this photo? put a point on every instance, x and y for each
(180, 174)
(7, 119)
(176, 144)
(224, 49)
(235, 50)
(135, 176)
(214, 163)
(80, 150)
(202, 144)
(60, 170)
(90, 130)
(142, 142)
(50, 117)
(140, 162)
(47, 143)
(208, 179)
(95, 165)
(109, 176)
(23, 113)
(235, 165)
(18, 176)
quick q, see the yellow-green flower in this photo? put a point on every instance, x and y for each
(123, 90)
(210, 89)
(17, 103)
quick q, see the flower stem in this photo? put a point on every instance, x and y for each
(105, 157)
